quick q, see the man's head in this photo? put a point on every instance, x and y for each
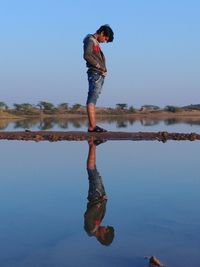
(105, 34)
(105, 235)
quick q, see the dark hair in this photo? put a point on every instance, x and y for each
(108, 237)
(107, 31)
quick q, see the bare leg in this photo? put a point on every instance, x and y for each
(91, 109)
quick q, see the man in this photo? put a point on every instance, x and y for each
(97, 200)
(95, 62)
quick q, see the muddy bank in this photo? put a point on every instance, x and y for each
(53, 136)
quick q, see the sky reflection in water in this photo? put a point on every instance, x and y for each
(153, 203)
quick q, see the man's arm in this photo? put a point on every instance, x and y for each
(88, 55)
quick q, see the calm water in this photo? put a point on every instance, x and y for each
(112, 124)
(153, 203)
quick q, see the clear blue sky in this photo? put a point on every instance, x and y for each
(154, 59)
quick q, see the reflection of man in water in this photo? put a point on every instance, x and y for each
(97, 201)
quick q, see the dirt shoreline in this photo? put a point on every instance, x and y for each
(54, 136)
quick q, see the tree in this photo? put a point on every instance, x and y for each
(121, 106)
(64, 106)
(23, 107)
(150, 107)
(76, 106)
(43, 105)
(3, 105)
(173, 109)
(192, 107)
(132, 109)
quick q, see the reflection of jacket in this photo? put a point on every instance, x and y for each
(94, 215)
(93, 55)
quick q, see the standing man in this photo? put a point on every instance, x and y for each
(95, 62)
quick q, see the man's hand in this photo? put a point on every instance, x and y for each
(98, 66)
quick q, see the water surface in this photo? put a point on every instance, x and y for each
(153, 203)
(110, 123)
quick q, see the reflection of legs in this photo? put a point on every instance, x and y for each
(91, 160)
(96, 188)
(91, 109)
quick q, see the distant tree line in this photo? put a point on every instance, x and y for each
(44, 107)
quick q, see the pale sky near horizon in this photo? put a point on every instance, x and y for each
(154, 58)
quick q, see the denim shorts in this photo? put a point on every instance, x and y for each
(96, 187)
(95, 81)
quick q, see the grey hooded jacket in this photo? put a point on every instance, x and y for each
(95, 60)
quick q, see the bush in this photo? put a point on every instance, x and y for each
(173, 109)
(132, 109)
